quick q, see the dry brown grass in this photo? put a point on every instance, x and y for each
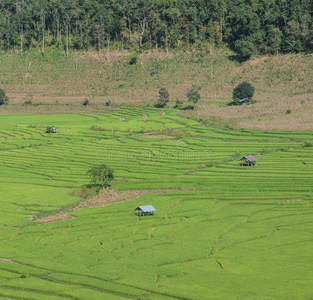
(281, 82)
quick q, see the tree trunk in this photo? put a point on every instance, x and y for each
(43, 40)
(142, 25)
(67, 23)
(108, 45)
(118, 47)
(76, 61)
(66, 29)
(81, 36)
(99, 42)
(21, 51)
(166, 43)
(43, 19)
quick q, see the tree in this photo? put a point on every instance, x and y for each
(275, 41)
(3, 98)
(293, 36)
(163, 98)
(244, 48)
(193, 94)
(101, 173)
(243, 90)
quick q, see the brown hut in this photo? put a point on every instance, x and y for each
(249, 160)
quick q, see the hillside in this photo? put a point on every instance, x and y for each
(53, 84)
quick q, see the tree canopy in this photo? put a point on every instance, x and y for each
(246, 26)
(3, 98)
(101, 173)
(193, 94)
(243, 90)
(163, 98)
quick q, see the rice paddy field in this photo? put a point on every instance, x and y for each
(221, 230)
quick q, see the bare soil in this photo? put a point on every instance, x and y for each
(106, 197)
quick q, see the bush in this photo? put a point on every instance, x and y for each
(244, 48)
(288, 112)
(188, 107)
(178, 104)
(3, 98)
(133, 60)
(243, 90)
(307, 145)
(86, 102)
(96, 128)
(101, 173)
(108, 103)
(51, 129)
(193, 94)
(163, 98)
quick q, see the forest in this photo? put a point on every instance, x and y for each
(245, 26)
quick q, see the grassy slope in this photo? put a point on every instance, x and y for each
(281, 82)
(237, 233)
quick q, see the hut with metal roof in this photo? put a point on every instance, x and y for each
(146, 210)
(51, 129)
(245, 101)
(249, 160)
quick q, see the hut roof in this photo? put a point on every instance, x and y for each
(245, 99)
(249, 158)
(146, 208)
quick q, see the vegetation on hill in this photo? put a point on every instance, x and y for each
(246, 26)
(52, 84)
(3, 98)
(241, 91)
(163, 98)
(101, 173)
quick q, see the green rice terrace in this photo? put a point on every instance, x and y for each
(220, 230)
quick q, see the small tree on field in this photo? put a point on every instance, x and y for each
(133, 60)
(163, 98)
(101, 173)
(3, 98)
(178, 104)
(243, 90)
(193, 94)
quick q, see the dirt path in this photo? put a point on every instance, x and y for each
(106, 197)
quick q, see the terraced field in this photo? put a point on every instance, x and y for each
(221, 231)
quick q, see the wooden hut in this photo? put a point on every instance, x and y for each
(248, 161)
(146, 210)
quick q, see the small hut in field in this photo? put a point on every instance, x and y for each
(51, 129)
(146, 210)
(245, 101)
(249, 161)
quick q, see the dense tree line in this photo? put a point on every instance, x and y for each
(246, 26)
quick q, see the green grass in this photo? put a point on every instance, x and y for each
(226, 232)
